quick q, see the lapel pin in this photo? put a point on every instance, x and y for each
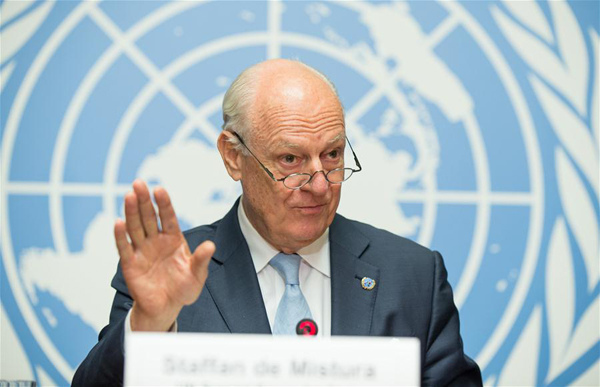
(367, 283)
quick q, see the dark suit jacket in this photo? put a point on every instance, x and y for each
(412, 298)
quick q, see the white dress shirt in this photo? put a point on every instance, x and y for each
(315, 274)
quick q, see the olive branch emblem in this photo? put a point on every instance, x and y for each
(560, 72)
(19, 20)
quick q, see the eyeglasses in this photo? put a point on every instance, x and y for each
(299, 180)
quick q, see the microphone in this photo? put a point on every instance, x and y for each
(307, 327)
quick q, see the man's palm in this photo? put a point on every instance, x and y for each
(161, 273)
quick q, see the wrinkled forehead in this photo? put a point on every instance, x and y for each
(307, 110)
(285, 127)
(327, 138)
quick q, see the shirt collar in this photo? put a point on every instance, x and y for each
(316, 254)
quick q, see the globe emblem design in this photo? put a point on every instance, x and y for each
(144, 101)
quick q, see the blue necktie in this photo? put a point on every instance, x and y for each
(293, 306)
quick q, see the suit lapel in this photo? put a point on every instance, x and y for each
(351, 305)
(233, 285)
(232, 280)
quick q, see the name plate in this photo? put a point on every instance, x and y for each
(198, 359)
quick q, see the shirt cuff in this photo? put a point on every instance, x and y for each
(128, 324)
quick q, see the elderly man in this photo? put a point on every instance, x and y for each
(284, 139)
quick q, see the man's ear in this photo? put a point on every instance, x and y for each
(232, 157)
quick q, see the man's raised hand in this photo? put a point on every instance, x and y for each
(160, 271)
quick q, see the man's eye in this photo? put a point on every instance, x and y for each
(333, 154)
(289, 159)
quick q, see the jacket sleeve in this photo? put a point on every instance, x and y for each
(104, 364)
(445, 360)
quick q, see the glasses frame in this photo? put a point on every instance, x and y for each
(304, 174)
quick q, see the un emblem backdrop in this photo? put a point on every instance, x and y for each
(476, 124)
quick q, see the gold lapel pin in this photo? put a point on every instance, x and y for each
(367, 283)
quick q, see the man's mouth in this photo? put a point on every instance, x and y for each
(311, 210)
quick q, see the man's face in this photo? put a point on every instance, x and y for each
(300, 130)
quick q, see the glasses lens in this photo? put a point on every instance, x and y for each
(339, 175)
(296, 180)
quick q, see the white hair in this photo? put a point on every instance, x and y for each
(240, 97)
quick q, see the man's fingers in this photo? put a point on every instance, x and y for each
(201, 259)
(123, 245)
(146, 209)
(168, 219)
(133, 221)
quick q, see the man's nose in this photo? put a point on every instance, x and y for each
(318, 184)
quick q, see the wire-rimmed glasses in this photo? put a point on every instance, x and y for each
(299, 180)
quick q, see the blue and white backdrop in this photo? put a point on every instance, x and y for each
(476, 123)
